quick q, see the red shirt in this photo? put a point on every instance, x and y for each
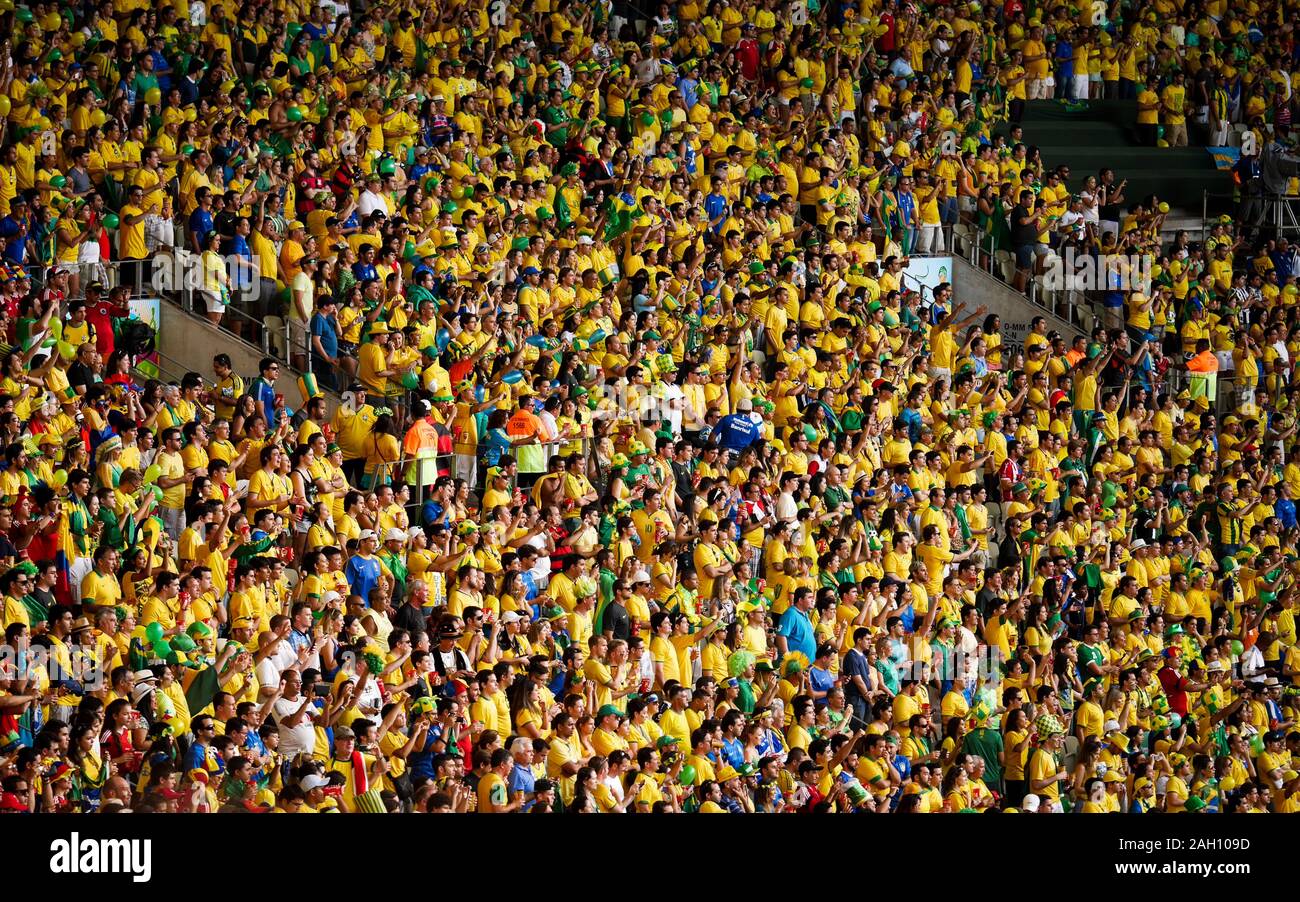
(1175, 686)
(885, 43)
(747, 54)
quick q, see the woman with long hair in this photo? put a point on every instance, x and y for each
(382, 451)
(125, 739)
(527, 710)
(90, 769)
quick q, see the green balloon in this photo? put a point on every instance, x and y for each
(647, 119)
(410, 380)
(294, 114)
(1175, 720)
(58, 181)
(687, 775)
(157, 493)
(111, 221)
(154, 632)
(162, 648)
(1256, 745)
(183, 643)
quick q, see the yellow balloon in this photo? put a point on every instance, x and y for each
(66, 350)
(60, 479)
(5, 105)
(98, 118)
(153, 97)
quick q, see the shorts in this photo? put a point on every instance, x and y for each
(1024, 256)
(297, 337)
(212, 299)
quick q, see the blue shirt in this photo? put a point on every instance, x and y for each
(714, 206)
(770, 743)
(737, 431)
(15, 233)
(1065, 59)
(264, 394)
(237, 246)
(912, 418)
(322, 327)
(798, 632)
(498, 443)
(690, 91)
(820, 680)
(521, 780)
(201, 225)
(1285, 510)
(363, 575)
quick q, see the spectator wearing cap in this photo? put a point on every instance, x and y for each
(328, 366)
(131, 247)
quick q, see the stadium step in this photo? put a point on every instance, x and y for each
(1103, 135)
(187, 342)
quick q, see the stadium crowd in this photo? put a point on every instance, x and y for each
(652, 486)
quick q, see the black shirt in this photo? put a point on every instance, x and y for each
(410, 618)
(616, 619)
(1023, 230)
(79, 374)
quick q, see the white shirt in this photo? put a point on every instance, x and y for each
(674, 400)
(300, 738)
(268, 674)
(369, 202)
(786, 509)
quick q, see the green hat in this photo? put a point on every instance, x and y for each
(1228, 564)
(332, 447)
(608, 711)
(988, 418)
(1174, 629)
(1018, 488)
(665, 741)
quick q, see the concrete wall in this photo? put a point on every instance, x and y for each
(973, 287)
(188, 343)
